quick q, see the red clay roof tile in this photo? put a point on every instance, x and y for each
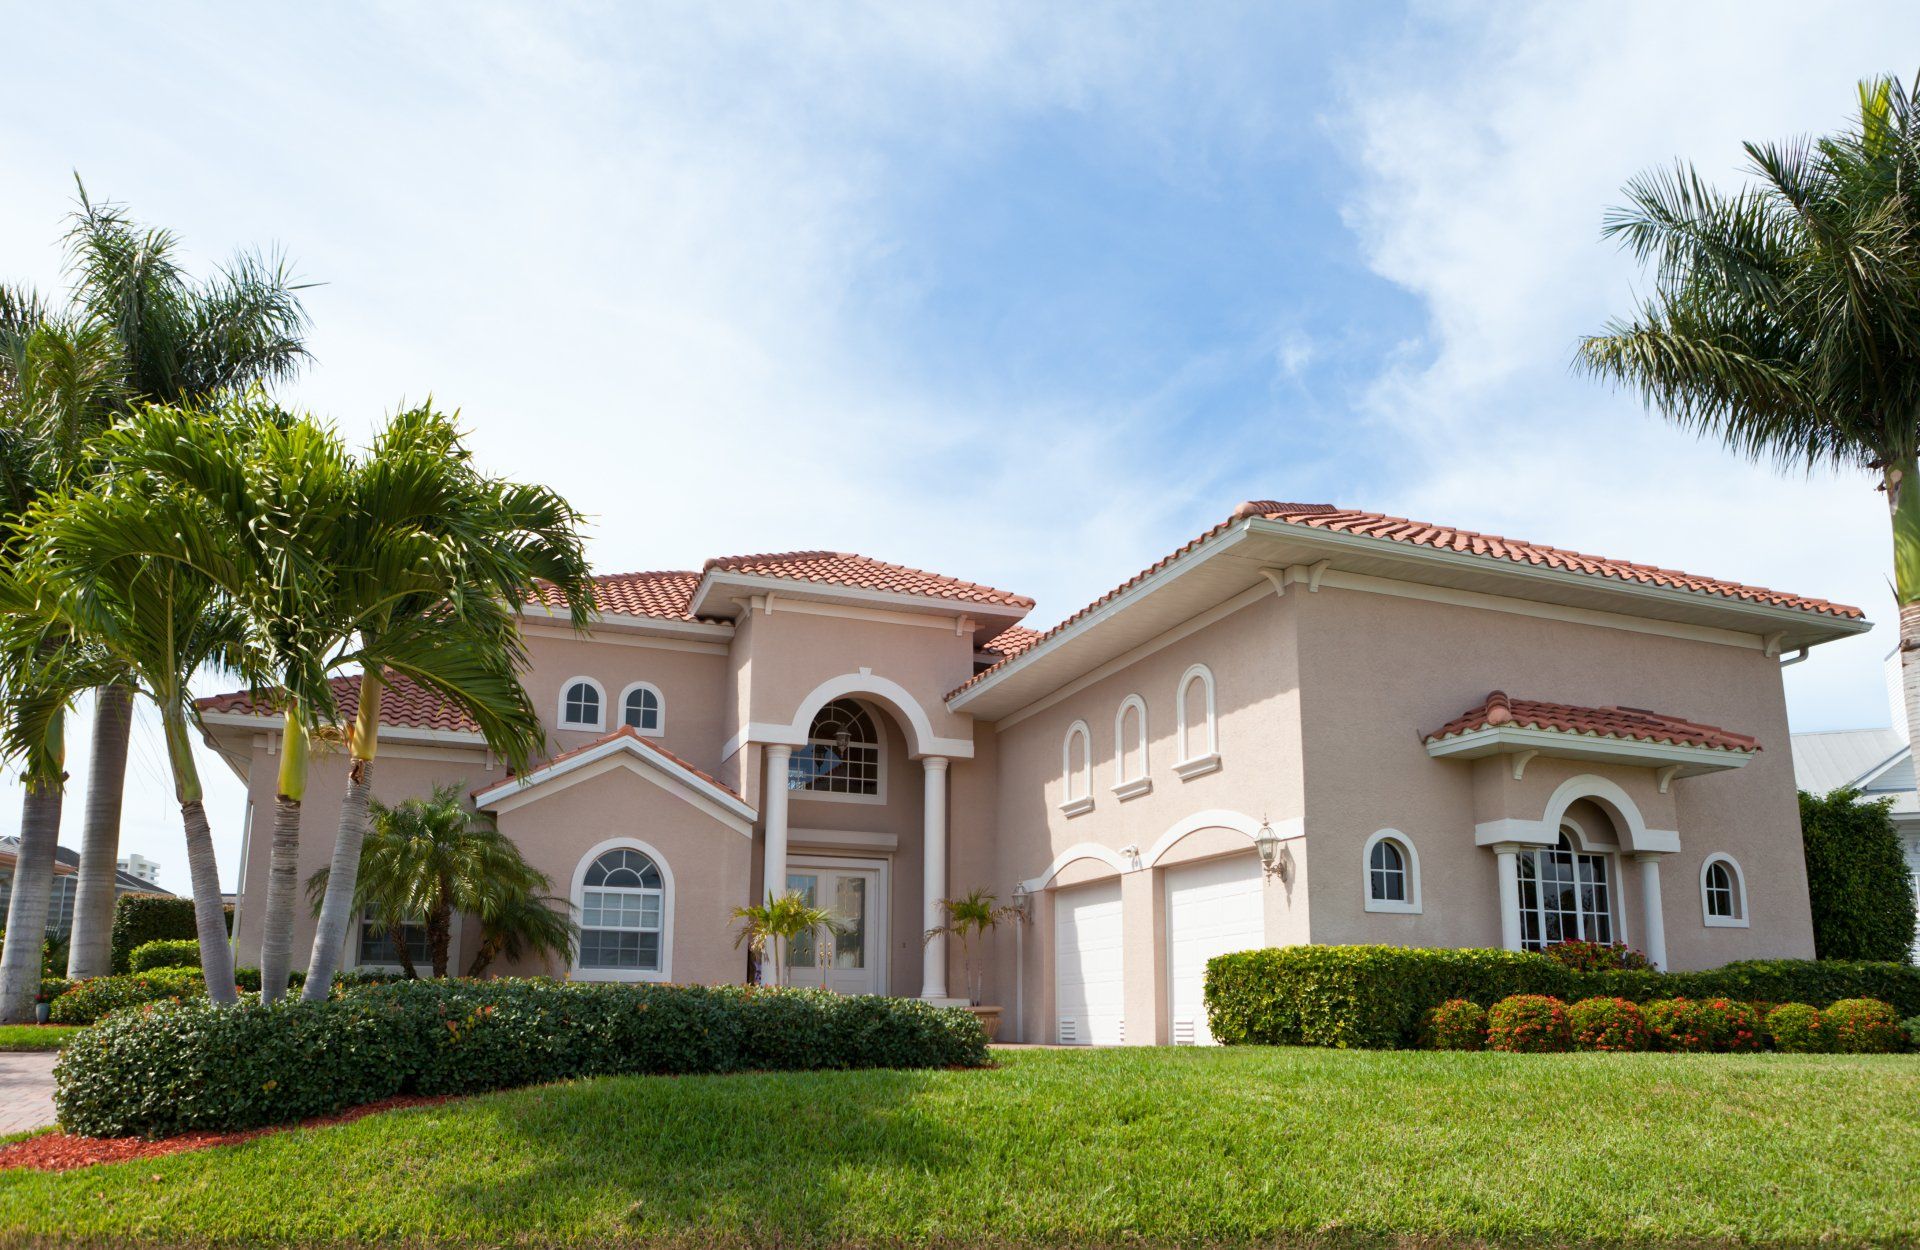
(404, 703)
(846, 568)
(661, 593)
(1634, 723)
(1012, 640)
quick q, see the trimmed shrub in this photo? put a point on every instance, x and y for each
(1582, 956)
(1527, 1024)
(1857, 876)
(165, 953)
(142, 918)
(87, 1001)
(1797, 1029)
(1702, 1025)
(1912, 1029)
(1456, 1024)
(222, 1069)
(1606, 1024)
(1862, 1026)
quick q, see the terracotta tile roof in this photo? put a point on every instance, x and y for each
(627, 732)
(404, 703)
(1637, 724)
(1012, 640)
(1336, 519)
(845, 568)
(662, 593)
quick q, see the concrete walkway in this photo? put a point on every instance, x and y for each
(26, 1090)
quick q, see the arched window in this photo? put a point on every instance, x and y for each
(581, 704)
(1723, 893)
(1198, 731)
(1130, 748)
(1565, 895)
(1393, 872)
(623, 896)
(1076, 770)
(842, 755)
(641, 708)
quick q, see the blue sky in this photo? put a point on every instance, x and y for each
(751, 277)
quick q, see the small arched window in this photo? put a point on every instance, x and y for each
(1723, 893)
(641, 708)
(623, 916)
(581, 704)
(1198, 730)
(1393, 872)
(1076, 770)
(1130, 748)
(842, 755)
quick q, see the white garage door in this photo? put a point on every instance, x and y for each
(1212, 908)
(1088, 987)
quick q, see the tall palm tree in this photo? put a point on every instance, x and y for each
(1785, 316)
(488, 546)
(181, 341)
(427, 860)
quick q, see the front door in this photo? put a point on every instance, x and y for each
(847, 960)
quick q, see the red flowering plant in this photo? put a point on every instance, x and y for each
(1862, 1026)
(1606, 1024)
(1456, 1024)
(1702, 1025)
(1597, 956)
(1528, 1024)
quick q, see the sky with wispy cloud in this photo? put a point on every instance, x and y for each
(1024, 293)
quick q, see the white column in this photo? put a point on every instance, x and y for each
(1656, 919)
(1507, 855)
(775, 809)
(933, 850)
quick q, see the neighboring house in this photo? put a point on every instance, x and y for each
(66, 879)
(1283, 732)
(1876, 762)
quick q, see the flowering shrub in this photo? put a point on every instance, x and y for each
(1597, 957)
(1457, 1024)
(1697, 1025)
(1797, 1029)
(1862, 1026)
(1527, 1023)
(1606, 1024)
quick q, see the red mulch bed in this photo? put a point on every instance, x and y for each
(62, 1152)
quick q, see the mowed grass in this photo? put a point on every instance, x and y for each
(36, 1036)
(1191, 1147)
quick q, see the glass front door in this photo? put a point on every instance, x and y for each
(845, 960)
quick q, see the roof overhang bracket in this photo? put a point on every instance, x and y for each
(1666, 775)
(1520, 761)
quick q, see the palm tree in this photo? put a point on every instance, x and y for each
(1785, 317)
(487, 546)
(525, 924)
(769, 929)
(972, 917)
(427, 860)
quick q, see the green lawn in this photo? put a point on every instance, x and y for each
(1195, 1147)
(36, 1036)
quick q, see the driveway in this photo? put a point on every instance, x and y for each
(26, 1090)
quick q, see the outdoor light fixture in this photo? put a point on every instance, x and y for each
(1021, 899)
(1267, 842)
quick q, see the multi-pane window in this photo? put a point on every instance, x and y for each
(377, 947)
(1723, 902)
(842, 755)
(620, 913)
(1565, 896)
(581, 706)
(1387, 873)
(642, 710)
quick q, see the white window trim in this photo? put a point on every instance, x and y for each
(1711, 921)
(879, 795)
(1191, 766)
(1412, 906)
(560, 714)
(1121, 779)
(578, 897)
(1072, 803)
(659, 730)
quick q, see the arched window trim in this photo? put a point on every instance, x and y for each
(560, 716)
(879, 744)
(1076, 791)
(1409, 856)
(1742, 919)
(578, 899)
(1191, 766)
(660, 701)
(1132, 786)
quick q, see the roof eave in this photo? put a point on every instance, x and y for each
(1687, 759)
(710, 599)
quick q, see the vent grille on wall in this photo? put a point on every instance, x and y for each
(1069, 1031)
(1183, 1031)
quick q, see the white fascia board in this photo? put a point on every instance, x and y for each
(388, 733)
(1508, 739)
(501, 791)
(755, 583)
(625, 620)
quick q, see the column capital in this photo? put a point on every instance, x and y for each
(1506, 848)
(935, 763)
(1650, 857)
(779, 751)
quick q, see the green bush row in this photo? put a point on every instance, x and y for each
(1378, 996)
(142, 918)
(83, 1002)
(1536, 1024)
(221, 1069)
(165, 953)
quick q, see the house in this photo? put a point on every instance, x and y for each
(1307, 724)
(66, 879)
(1876, 762)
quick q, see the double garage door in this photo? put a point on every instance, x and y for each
(1212, 907)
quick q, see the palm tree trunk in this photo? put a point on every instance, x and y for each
(27, 908)
(209, 909)
(1903, 503)
(397, 934)
(283, 870)
(336, 907)
(483, 958)
(91, 951)
(440, 934)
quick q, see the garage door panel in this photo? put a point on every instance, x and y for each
(1213, 908)
(1089, 972)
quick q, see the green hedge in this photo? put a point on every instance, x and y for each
(84, 1002)
(1378, 996)
(165, 953)
(142, 918)
(209, 1068)
(1857, 878)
